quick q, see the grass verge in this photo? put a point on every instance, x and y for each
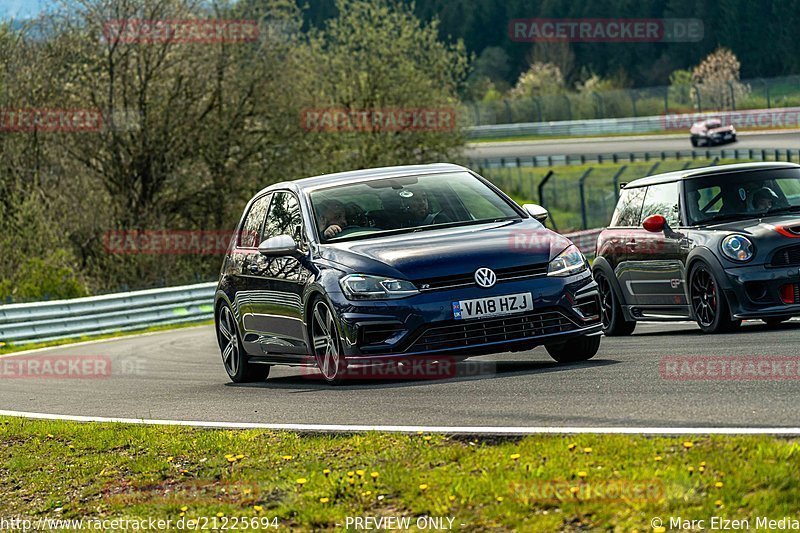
(537, 483)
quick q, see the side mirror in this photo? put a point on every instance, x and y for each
(278, 246)
(654, 223)
(536, 211)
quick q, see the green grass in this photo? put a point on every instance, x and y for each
(72, 470)
(12, 348)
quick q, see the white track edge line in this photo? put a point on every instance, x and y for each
(471, 430)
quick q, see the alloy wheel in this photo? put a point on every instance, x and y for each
(326, 345)
(606, 301)
(704, 297)
(229, 341)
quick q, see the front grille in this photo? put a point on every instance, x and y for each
(463, 334)
(378, 334)
(464, 280)
(786, 257)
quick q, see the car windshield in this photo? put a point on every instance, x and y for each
(399, 205)
(729, 196)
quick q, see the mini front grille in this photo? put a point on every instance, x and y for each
(786, 257)
(463, 334)
(464, 280)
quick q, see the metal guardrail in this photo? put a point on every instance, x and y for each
(96, 315)
(785, 117)
(772, 154)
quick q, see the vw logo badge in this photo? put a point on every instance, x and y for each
(485, 277)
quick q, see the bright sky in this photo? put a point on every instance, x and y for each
(22, 9)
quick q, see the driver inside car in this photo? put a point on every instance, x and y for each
(417, 210)
(764, 199)
(332, 218)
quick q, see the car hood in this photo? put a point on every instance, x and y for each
(761, 227)
(449, 251)
(721, 129)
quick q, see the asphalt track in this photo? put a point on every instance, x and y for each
(607, 145)
(178, 376)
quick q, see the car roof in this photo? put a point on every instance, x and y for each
(351, 176)
(706, 171)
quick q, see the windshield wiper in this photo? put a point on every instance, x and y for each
(726, 216)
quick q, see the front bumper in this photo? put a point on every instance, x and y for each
(424, 324)
(754, 291)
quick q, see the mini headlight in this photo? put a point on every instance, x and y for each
(568, 262)
(737, 248)
(366, 287)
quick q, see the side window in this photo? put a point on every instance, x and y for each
(629, 208)
(663, 200)
(252, 224)
(284, 217)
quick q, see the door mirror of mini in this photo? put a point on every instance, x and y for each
(279, 246)
(654, 223)
(536, 211)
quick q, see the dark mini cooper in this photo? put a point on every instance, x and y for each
(716, 245)
(364, 267)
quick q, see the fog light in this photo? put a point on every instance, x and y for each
(789, 293)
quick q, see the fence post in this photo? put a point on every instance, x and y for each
(598, 104)
(569, 106)
(538, 107)
(733, 97)
(508, 112)
(697, 94)
(581, 185)
(616, 181)
(542, 183)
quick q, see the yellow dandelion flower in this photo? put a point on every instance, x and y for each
(572, 446)
(351, 473)
(326, 472)
(220, 515)
(423, 487)
(581, 474)
(451, 498)
(324, 500)
(170, 458)
(718, 484)
(301, 480)
(573, 490)
(420, 432)
(258, 508)
(288, 457)
(587, 450)
(690, 469)
(360, 473)
(702, 463)
(231, 459)
(184, 508)
(427, 437)
(182, 514)
(702, 469)
(50, 436)
(688, 444)
(228, 455)
(657, 458)
(499, 499)
(659, 529)
(374, 475)
(240, 456)
(718, 503)
(514, 456)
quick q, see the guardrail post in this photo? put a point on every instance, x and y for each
(763, 155)
(616, 181)
(581, 185)
(614, 157)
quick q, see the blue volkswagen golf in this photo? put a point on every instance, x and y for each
(361, 268)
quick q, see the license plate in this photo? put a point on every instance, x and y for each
(728, 135)
(493, 306)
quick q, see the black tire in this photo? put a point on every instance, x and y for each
(614, 323)
(328, 357)
(709, 304)
(774, 322)
(574, 350)
(234, 358)
(694, 142)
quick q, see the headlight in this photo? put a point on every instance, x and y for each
(364, 287)
(568, 262)
(737, 247)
